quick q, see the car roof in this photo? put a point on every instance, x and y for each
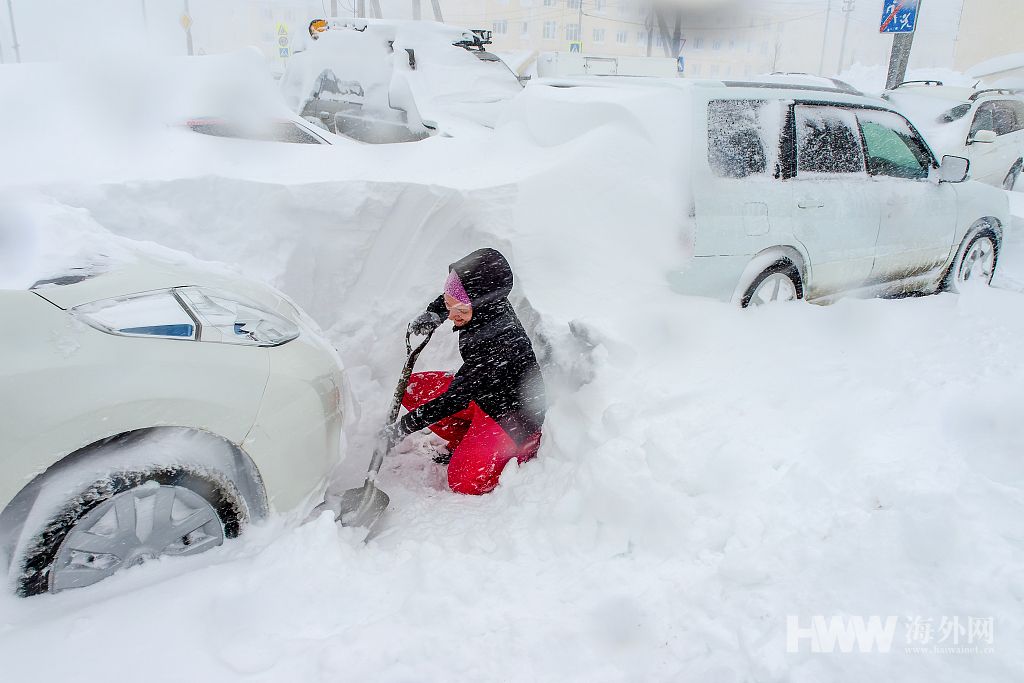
(954, 93)
(777, 86)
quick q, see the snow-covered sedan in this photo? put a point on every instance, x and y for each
(151, 409)
(984, 125)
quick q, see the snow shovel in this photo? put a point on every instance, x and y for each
(364, 505)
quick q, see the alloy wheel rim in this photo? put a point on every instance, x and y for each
(132, 527)
(979, 262)
(775, 287)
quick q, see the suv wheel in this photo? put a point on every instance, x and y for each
(780, 282)
(976, 263)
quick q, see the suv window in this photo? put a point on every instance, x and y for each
(736, 147)
(984, 119)
(893, 148)
(826, 141)
(1006, 118)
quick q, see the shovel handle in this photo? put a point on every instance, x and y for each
(403, 381)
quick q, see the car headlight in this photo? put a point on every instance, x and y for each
(191, 314)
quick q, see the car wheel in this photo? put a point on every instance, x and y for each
(126, 519)
(977, 262)
(1011, 178)
(780, 282)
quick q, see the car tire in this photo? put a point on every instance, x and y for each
(977, 259)
(179, 509)
(1013, 176)
(779, 282)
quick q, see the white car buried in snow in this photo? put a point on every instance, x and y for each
(152, 409)
(984, 125)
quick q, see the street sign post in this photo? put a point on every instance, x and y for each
(899, 16)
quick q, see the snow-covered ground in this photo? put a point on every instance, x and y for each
(705, 472)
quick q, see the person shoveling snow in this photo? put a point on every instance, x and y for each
(492, 409)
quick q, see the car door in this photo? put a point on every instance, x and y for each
(835, 217)
(918, 215)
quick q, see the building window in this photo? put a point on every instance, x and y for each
(550, 29)
(625, 7)
(598, 35)
(716, 45)
(622, 37)
(732, 45)
(641, 37)
(572, 33)
(572, 4)
(698, 43)
(599, 5)
(659, 41)
(525, 28)
(501, 26)
(549, 3)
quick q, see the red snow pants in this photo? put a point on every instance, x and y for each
(480, 448)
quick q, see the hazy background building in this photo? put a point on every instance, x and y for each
(715, 38)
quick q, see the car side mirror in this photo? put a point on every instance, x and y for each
(953, 169)
(984, 136)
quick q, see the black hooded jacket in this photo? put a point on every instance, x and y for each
(500, 371)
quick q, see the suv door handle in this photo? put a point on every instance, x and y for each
(810, 203)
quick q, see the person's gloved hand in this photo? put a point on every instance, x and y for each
(392, 435)
(425, 323)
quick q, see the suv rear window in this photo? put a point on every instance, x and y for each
(736, 138)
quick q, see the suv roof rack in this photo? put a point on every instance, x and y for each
(926, 82)
(998, 91)
(839, 86)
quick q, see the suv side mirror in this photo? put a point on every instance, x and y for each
(984, 136)
(953, 169)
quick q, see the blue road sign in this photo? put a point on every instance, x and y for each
(899, 16)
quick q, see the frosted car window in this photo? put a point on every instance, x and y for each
(736, 146)
(827, 141)
(1005, 118)
(984, 119)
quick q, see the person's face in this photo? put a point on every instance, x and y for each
(459, 314)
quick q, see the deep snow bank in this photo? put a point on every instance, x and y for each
(705, 472)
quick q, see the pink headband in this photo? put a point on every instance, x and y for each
(453, 288)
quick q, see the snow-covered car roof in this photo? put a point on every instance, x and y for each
(446, 86)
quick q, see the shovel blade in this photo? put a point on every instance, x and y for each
(362, 507)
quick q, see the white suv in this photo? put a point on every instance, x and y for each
(153, 409)
(805, 191)
(985, 126)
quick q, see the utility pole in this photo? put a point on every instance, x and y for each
(361, 9)
(334, 8)
(650, 30)
(186, 23)
(14, 33)
(145, 19)
(824, 39)
(436, 4)
(579, 23)
(848, 7)
(417, 10)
